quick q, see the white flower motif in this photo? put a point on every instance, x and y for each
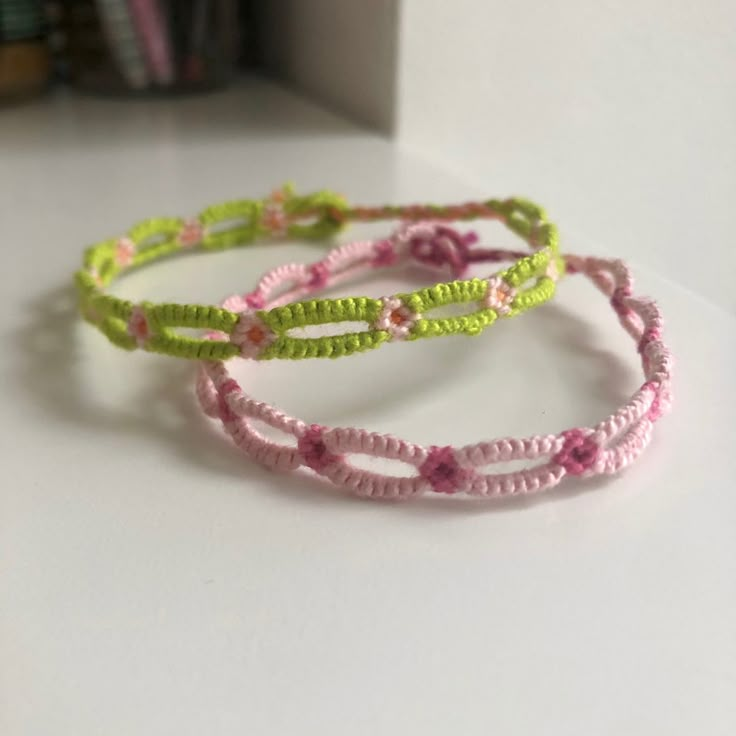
(396, 318)
(252, 335)
(499, 295)
(274, 217)
(138, 326)
(191, 233)
(124, 252)
(95, 274)
(552, 271)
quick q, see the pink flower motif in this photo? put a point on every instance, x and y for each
(274, 217)
(443, 471)
(278, 196)
(579, 452)
(191, 233)
(274, 220)
(396, 318)
(312, 448)
(384, 254)
(319, 276)
(552, 271)
(124, 252)
(252, 335)
(138, 326)
(499, 295)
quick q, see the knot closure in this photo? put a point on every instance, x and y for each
(438, 245)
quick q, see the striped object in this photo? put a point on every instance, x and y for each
(117, 25)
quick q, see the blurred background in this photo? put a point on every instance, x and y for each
(618, 116)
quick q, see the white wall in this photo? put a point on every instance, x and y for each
(340, 52)
(620, 117)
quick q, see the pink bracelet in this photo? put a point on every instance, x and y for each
(606, 448)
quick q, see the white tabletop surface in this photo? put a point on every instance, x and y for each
(155, 582)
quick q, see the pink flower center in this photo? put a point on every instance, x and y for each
(443, 471)
(314, 451)
(578, 454)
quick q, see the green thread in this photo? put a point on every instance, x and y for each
(321, 312)
(333, 346)
(314, 216)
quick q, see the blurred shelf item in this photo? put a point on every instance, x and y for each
(24, 56)
(151, 46)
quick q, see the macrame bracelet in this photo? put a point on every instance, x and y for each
(606, 448)
(264, 334)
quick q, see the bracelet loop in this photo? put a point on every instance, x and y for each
(153, 327)
(604, 448)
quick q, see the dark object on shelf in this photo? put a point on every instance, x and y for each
(148, 46)
(24, 57)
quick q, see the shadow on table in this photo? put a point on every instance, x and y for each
(47, 371)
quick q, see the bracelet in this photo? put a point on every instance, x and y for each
(606, 448)
(254, 333)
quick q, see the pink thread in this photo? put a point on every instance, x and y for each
(254, 300)
(605, 448)
(579, 452)
(436, 244)
(443, 471)
(319, 276)
(385, 254)
(224, 411)
(138, 326)
(651, 334)
(618, 302)
(312, 448)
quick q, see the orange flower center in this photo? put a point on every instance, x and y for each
(255, 335)
(397, 317)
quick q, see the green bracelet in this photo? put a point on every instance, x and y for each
(318, 216)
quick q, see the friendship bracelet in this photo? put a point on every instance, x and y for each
(255, 333)
(606, 448)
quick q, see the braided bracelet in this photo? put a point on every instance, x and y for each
(263, 334)
(606, 448)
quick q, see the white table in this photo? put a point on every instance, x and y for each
(155, 582)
